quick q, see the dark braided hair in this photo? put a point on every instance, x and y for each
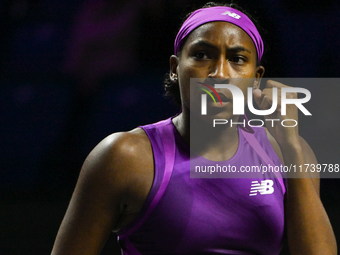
(171, 87)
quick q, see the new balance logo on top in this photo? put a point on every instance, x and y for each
(266, 187)
(231, 14)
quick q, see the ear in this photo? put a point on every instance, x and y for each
(259, 74)
(173, 67)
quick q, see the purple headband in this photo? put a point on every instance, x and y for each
(220, 13)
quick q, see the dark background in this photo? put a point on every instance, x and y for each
(73, 72)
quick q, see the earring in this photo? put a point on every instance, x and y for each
(174, 78)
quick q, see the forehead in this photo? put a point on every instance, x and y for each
(221, 33)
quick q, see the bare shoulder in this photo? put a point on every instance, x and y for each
(121, 151)
(120, 157)
(125, 160)
(112, 186)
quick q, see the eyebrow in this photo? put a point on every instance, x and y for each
(210, 45)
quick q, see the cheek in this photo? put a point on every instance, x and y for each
(185, 73)
(247, 73)
(189, 69)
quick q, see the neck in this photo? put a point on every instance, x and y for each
(214, 143)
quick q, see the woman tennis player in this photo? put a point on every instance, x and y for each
(138, 183)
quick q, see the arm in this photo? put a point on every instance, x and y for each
(308, 153)
(308, 228)
(112, 187)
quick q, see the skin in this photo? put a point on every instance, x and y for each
(117, 175)
(216, 50)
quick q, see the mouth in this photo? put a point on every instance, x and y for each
(221, 96)
(215, 97)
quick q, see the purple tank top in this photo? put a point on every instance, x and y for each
(184, 215)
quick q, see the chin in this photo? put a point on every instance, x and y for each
(218, 114)
(209, 118)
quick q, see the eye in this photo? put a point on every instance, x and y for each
(238, 60)
(201, 55)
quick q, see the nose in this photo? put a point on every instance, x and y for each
(220, 69)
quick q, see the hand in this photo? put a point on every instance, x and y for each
(288, 135)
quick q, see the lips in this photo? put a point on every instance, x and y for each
(223, 97)
(216, 97)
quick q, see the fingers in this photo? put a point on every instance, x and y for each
(264, 99)
(270, 84)
(257, 96)
(274, 84)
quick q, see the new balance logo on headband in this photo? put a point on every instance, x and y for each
(266, 187)
(234, 15)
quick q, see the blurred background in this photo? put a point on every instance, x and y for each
(73, 72)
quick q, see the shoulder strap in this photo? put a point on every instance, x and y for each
(251, 139)
(168, 140)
